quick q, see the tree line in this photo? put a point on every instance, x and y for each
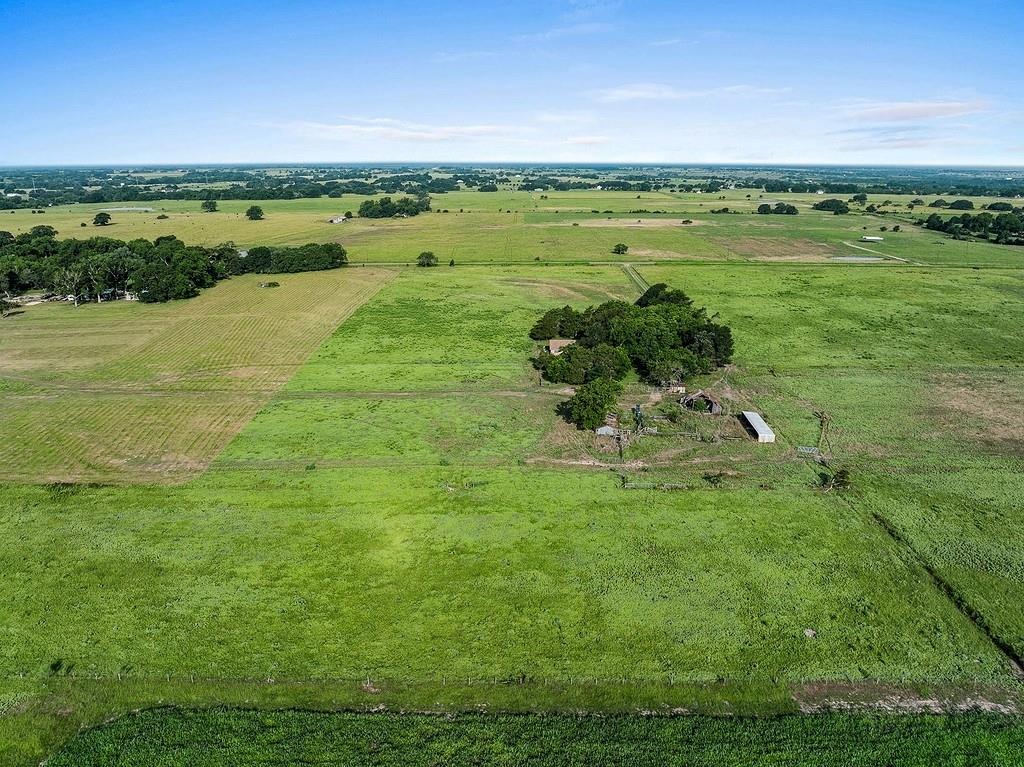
(662, 336)
(1001, 228)
(39, 187)
(62, 187)
(103, 268)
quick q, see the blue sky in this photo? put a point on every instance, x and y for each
(896, 82)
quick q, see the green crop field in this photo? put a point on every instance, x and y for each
(246, 738)
(353, 492)
(116, 391)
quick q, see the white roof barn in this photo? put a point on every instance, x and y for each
(757, 423)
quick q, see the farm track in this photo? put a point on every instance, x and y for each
(883, 255)
(636, 278)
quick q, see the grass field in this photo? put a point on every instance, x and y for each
(569, 226)
(393, 514)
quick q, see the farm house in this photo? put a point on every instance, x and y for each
(557, 345)
(870, 238)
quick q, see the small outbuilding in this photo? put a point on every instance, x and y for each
(871, 238)
(557, 345)
(702, 402)
(760, 428)
(337, 220)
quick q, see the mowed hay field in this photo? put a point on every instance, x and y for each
(129, 392)
(581, 226)
(403, 525)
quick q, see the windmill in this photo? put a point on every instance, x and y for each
(638, 418)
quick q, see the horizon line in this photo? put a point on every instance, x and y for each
(503, 163)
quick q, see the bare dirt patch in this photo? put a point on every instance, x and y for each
(777, 248)
(629, 223)
(653, 253)
(559, 290)
(823, 697)
(985, 409)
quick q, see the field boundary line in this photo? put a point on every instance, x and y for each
(636, 278)
(883, 255)
(951, 592)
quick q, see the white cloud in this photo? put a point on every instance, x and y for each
(663, 92)
(576, 117)
(642, 92)
(455, 57)
(665, 43)
(572, 30)
(910, 111)
(891, 137)
(587, 140)
(586, 8)
(387, 129)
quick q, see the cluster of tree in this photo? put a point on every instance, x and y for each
(1002, 228)
(663, 336)
(955, 205)
(838, 207)
(592, 402)
(387, 208)
(312, 257)
(781, 208)
(102, 268)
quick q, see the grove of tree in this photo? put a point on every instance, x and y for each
(838, 207)
(388, 208)
(780, 208)
(166, 268)
(662, 336)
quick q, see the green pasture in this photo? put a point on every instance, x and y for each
(508, 226)
(406, 520)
